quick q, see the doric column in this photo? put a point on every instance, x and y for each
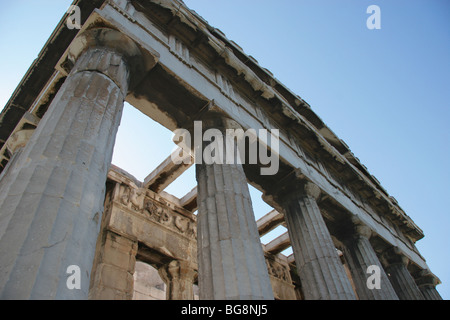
(360, 255)
(320, 270)
(402, 281)
(50, 212)
(230, 256)
(427, 283)
(179, 277)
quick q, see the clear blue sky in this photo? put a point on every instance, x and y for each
(384, 92)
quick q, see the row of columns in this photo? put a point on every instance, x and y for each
(320, 270)
(52, 200)
(230, 255)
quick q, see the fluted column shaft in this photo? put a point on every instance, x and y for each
(430, 293)
(230, 256)
(360, 255)
(320, 270)
(401, 279)
(179, 277)
(51, 211)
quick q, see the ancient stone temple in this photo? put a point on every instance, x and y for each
(72, 226)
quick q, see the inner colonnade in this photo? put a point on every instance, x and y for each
(62, 203)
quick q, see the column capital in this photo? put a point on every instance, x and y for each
(18, 140)
(426, 281)
(179, 277)
(363, 231)
(177, 269)
(310, 189)
(294, 187)
(357, 229)
(218, 120)
(427, 278)
(138, 60)
(394, 256)
(213, 117)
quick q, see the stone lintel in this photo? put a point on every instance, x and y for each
(189, 201)
(278, 244)
(269, 222)
(167, 172)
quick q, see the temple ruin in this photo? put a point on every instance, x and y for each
(62, 203)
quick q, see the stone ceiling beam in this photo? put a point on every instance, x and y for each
(167, 172)
(269, 222)
(189, 201)
(279, 244)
